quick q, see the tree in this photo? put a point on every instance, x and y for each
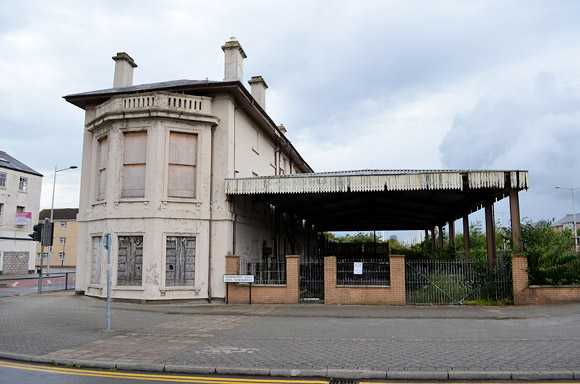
(552, 258)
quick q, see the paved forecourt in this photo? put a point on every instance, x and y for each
(355, 342)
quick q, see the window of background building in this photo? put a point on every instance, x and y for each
(182, 164)
(23, 184)
(2, 179)
(62, 240)
(61, 256)
(180, 261)
(134, 163)
(96, 268)
(63, 225)
(130, 260)
(19, 209)
(1, 211)
(102, 155)
(38, 256)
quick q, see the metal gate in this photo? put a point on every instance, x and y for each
(312, 281)
(458, 281)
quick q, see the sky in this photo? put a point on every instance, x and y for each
(358, 84)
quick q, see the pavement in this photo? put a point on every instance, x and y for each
(310, 340)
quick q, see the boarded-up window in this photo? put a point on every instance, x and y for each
(180, 261)
(102, 155)
(182, 164)
(96, 268)
(130, 260)
(134, 159)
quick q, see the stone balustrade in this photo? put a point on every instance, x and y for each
(155, 101)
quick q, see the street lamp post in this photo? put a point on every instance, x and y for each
(52, 209)
(575, 230)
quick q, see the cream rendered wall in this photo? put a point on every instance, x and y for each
(11, 197)
(252, 161)
(154, 216)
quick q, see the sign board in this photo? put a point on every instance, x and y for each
(358, 268)
(23, 218)
(238, 278)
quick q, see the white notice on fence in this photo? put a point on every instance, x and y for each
(358, 268)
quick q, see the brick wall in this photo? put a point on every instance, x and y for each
(15, 263)
(524, 294)
(265, 294)
(391, 295)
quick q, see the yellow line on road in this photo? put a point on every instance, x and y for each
(473, 382)
(150, 377)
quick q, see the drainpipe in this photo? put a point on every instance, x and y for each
(210, 216)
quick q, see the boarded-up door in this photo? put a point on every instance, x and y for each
(180, 261)
(130, 263)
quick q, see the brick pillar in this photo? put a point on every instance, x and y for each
(232, 265)
(293, 277)
(330, 280)
(520, 278)
(397, 264)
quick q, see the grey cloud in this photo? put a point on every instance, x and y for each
(535, 128)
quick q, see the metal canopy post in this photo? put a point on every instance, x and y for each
(466, 235)
(452, 232)
(490, 236)
(515, 222)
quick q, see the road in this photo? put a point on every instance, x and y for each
(14, 372)
(23, 287)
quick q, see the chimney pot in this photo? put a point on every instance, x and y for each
(124, 65)
(234, 60)
(282, 128)
(259, 87)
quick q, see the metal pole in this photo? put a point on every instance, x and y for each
(52, 209)
(40, 274)
(51, 217)
(107, 244)
(575, 231)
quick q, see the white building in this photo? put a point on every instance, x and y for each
(155, 160)
(20, 188)
(184, 173)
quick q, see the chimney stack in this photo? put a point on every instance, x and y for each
(259, 87)
(234, 60)
(124, 65)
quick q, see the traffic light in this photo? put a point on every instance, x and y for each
(47, 234)
(37, 234)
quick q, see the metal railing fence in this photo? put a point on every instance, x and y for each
(58, 281)
(375, 271)
(270, 271)
(311, 280)
(457, 281)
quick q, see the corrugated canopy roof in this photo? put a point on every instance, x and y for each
(381, 199)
